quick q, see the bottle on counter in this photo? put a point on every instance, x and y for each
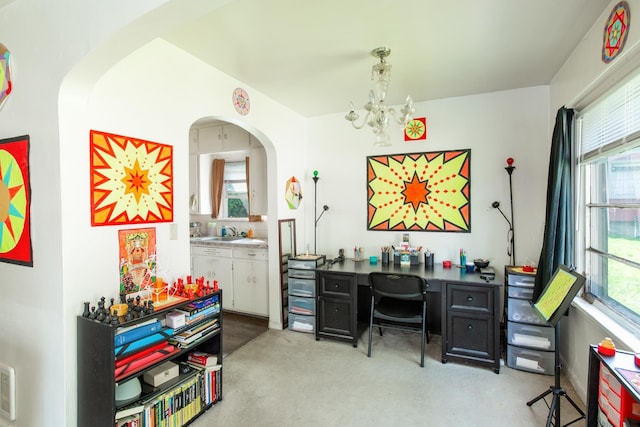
(224, 231)
(250, 233)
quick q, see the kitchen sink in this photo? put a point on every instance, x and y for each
(217, 238)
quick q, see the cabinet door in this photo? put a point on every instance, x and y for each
(470, 335)
(258, 181)
(210, 139)
(219, 269)
(250, 280)
(234, 138)
(194, 188)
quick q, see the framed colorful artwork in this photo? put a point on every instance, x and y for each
(293, 193)
(131, 180)
(137, 262)
(419, 191)
(416, 129)
(615, 31)
(5, 74)
(15, 202)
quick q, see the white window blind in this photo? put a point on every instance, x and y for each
(613, 122)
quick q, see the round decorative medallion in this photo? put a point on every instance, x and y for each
(241, 101)
(615, 31)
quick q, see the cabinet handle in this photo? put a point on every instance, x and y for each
(469, 327)
(469, 298)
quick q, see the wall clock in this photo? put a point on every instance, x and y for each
(241, 101)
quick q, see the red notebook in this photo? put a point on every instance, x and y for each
(142, 362)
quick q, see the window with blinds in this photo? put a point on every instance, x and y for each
(609, 169)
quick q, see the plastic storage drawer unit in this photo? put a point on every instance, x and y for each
(530, 360)
(521, 280)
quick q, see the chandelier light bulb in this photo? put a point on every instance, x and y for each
(377, 116)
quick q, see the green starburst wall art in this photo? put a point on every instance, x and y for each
(419, 191)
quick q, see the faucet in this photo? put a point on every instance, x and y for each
(232, 231)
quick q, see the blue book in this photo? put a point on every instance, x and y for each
(136, 333)
(144, 342)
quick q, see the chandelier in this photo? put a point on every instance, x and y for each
(378, 113)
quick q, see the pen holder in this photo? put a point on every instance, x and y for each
(463, 260)
(385, 257)
(428, 260)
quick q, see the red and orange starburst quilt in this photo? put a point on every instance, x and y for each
(131, 180)
(419, 191)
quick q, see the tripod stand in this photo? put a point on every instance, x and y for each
(557, 390)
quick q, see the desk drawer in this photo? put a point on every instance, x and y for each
(336, 285)
(477, 299)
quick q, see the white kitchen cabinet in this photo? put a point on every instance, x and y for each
(251, 281)
(220, 138)
(257, 180)
(214, 263)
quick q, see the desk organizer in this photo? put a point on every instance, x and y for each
(413, 259)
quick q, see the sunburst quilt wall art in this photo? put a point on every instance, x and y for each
(15, 202)
(131, 180)
(419, 191)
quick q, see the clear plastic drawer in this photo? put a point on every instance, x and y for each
(300, 323)
(523, 335)
(526, 359)
(302, 305)
(521, 311)
(521, 293)
(302, 287)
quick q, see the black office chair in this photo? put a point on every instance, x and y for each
(398, 301)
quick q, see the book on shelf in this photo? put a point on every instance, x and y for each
(128, 413)
(135, 333)
(135, 346)
(196, 305)
(138, 364)
(130, 421)
(121, 361)
(202, 359)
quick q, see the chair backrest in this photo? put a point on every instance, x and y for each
(397, 285)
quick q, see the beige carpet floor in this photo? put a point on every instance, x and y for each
(285, 378)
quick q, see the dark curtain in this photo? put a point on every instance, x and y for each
(217, 180)
(557, 244)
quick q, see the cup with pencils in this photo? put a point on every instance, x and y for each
(384, 256)
(463, 258)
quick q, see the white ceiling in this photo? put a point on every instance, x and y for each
(314, 56)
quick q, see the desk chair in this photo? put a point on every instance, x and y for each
(398, 301)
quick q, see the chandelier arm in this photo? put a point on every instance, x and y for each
(365, 120)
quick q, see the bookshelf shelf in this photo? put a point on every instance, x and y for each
(97, 379)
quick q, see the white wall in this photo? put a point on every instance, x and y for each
(582, 79)
(45, 39)
(494, 126)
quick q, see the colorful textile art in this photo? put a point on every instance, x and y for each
(293, 193)
(615, 31)
(131, 180)
(419, 191)
(5, 74)
(15, 202)
(416, 129)
(137, 262)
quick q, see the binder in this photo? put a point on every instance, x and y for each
(140, 344)
(137, 333)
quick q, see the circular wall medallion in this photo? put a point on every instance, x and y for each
(241, 101)
(615, 31)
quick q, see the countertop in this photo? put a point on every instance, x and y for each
(242, 242)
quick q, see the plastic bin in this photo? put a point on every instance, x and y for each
(532, 336)
(302, 287)
(522, 281)
(525, 359)
(300, 323)
(521, 311)
(521, 293)
(302, 305)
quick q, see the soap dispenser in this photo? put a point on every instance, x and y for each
(250, 233)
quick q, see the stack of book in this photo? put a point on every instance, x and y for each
(192, 334)
(210, 379)
(140, 346)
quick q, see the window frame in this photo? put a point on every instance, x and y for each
(588, 161)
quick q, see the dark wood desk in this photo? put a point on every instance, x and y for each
(463, 308)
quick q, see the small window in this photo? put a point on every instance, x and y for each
(235, 199)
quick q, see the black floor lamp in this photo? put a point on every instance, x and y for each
(315, 211)
(511, 234)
